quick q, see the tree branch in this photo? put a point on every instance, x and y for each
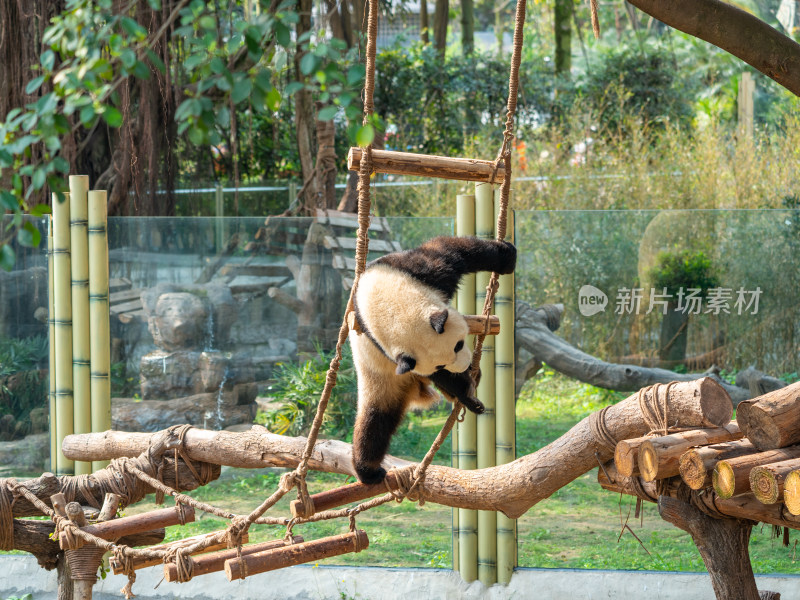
(735, 31)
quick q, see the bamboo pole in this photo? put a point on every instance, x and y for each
(767, 481)
(696, 465)
(215, 562)
(295, 554)
(505, 433)
(732, 477)
(659, 456)
(63, 329)
(466, 432)
(79, 263)
(487, 521)
(428, 165)
(51, 330)
(98, 317)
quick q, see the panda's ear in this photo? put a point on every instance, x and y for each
(438, 319)
(405, 364)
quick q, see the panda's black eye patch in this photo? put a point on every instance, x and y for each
(459, 346)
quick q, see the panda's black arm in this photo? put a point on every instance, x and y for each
(441, 262)
(371, 436)
(458, 385)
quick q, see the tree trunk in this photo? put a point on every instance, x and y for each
(562, 20)
(326, 161)
(674, 329)
(440, 17)
(424, 25)
(467, 26)
(304, 115)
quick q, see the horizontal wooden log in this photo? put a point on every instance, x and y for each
(773, 420)
(117, 528)
(511, 488)
(732, 477)
(659, 457)
(766, 481)
(744, 506)
(696, 464)
(140, 562)
(295, 554)
(212, 563)
(429, 165)
(626, 454)
(346, 494)
(42, 487)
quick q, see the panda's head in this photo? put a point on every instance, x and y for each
(438, 341)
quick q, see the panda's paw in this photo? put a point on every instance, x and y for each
(474, 405)
(369, 475)
(508, 254)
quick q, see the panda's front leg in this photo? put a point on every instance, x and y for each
(459, 385)
(371, 436)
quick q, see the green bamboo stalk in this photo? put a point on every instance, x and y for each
(51, 330)
(63, 330)
(98, 318)
(79, 255)
(487, 520)
(505, 443)
(467, 433)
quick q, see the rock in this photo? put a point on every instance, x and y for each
(27, 454)
(209, 411)
(182, 373)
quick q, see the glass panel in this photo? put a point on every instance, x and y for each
(24, 351)
(683, 290)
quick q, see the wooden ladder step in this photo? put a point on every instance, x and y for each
(429, 165)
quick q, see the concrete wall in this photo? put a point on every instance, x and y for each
(20, 575)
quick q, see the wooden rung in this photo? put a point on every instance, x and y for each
(349, 243)
(474, 322)
(142, 562)
(117, 528)
(295, 554)
(211, 563)
(428, 165)
(346, 494)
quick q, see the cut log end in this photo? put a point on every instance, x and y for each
(692, 470)
(791, 492)
(715, 402)
(648, 461)
(625, 458)
(724, 480)
(764, 485)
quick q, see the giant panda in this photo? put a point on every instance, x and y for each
(411, 337)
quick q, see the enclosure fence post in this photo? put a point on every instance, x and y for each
(62, 330)
(466, 431)
(79, 266)
(487, 520)
(506, 405)
(219, 211)
(99, 325)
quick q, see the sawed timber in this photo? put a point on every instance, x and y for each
(697, 464)
(732, 477)
(773, 420)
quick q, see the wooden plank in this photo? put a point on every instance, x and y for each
(349, 243)
(118, 284)
(124, 296)
(344, 262)
(276, 270)
(132, 306)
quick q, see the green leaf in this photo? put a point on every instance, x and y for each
(327, 113)
(156, 61)
(282, 35)
(308, 64)
(208, 23)
(192, 61)
(6, 160)
(365, 135)
(112, 116)
(293, 87)
(128, 58)
(40, 210)
(18, 146)
(34, 84)
(87, 115)
(61, 164)
(8, 200)
(140, 70)
(355, 74)
(28, 235)
(39, 177)
(217, 65)
(47, 60)
(273, 99)
(154, 4)
(241, 90)
(132, 28)
(7, 257)
(196, 136)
